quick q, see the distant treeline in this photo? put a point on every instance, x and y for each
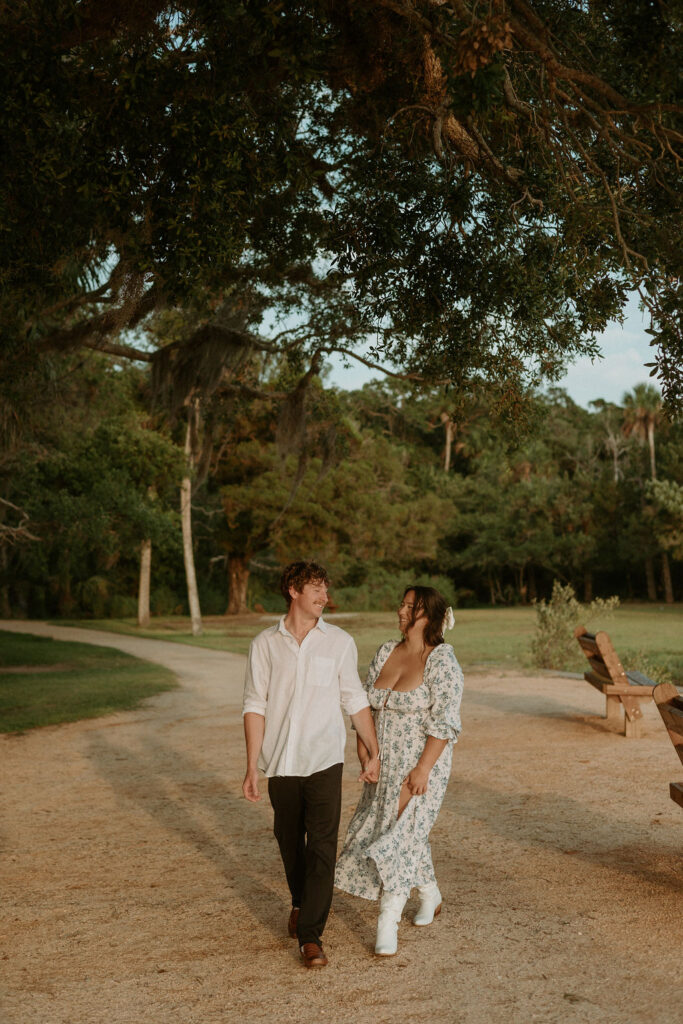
(386, 485)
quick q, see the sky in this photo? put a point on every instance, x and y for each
(625, 349)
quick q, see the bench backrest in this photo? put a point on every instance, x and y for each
(670, 704)
(603, 659)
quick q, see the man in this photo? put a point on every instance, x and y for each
(300, 674)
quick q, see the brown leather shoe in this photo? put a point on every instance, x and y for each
(312, 955)
(293, 918)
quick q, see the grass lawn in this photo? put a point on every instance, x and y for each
(45, 682)
(644, 635)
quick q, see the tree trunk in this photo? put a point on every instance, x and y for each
(492, 590)
(666, 579)
(5, 606)
(186, 521)
(650, 577)
(615, 463)
(65, 600)
(450, 433)
(588, 586)
(533, 591)
(238, 578)
(145, 577)
(651, 444)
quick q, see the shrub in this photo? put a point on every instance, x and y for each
(649, 665)
(123, 606)
(554, 644)
(164, 601)
(93, 596)
(382, 591)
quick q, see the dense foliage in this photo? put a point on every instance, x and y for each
(218, 195)
(475, 186)
(383, 485)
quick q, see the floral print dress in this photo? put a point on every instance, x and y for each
(383, 852)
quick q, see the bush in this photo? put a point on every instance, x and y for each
(554, 644)
(164, 601)
(264, 590)
(93, 596)
(383, 590)
(123, 606)
(212, 599)
(649, 665)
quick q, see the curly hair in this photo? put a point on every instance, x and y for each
(430, 602)
(298, 574)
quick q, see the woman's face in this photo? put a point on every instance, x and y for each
(405, 612)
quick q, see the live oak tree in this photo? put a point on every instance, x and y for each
(484, 182)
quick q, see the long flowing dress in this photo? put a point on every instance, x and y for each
(383, 852)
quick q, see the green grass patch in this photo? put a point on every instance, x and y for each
(483, 638)
(46, 682)
(232, 634)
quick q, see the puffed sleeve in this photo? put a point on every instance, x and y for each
(445, 681)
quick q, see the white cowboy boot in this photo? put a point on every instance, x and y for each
(390, 908)
(430, 903)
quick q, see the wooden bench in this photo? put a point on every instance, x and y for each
(621, 688)
(670, 704)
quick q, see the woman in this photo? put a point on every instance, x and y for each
(414, 687)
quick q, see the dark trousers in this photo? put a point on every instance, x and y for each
(307, 811)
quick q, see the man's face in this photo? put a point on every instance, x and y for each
(311, 600)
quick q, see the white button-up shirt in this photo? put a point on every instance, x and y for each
(300, 691)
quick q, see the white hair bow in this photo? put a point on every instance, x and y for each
(448, 619)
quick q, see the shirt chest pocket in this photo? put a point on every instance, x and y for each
(321, 672)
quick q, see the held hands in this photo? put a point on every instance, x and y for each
(250, 786)
(370, 769)
(417, 780)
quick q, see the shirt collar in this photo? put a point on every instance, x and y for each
(320, 624)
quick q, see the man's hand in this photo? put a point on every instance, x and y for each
(417, 780)
(369, 769)
(250, 786)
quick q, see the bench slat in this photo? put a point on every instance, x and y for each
(617, 689)
(676, 792)
(621, 689)
(595, 680)
(639, 679)
(673, 719)
(588, 644)
(600, 669)
(610, 657)
(670, 705)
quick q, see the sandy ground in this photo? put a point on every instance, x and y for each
(138, 886)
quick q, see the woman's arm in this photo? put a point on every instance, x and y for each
(418, 779)
(443, 723)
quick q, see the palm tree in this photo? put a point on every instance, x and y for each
(642, 415)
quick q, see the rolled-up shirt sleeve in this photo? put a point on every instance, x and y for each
(352, 695)
(445, 680)
(257, 679)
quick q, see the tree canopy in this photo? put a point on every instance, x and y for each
(474, 187)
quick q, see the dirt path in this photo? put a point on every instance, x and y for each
(140, 888)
